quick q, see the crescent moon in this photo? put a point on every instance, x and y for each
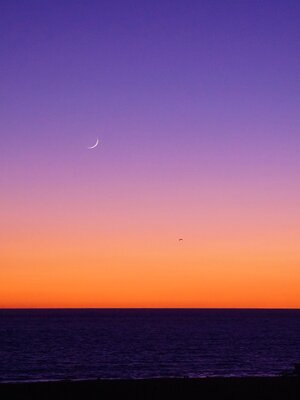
(95, 145)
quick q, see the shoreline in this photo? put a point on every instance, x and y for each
(256, 387)
(152, 378)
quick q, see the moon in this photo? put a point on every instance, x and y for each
(95, 145)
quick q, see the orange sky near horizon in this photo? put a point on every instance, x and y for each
(127, 263)
(240, 249)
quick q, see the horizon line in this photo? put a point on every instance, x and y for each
(150, 308)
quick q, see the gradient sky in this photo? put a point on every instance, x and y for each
(196, 106)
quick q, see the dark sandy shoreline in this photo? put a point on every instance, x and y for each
(204, 388)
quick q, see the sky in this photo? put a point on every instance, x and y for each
(196, 107)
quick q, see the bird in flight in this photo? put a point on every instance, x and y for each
(180, 240)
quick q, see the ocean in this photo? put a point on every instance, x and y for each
(45, 345)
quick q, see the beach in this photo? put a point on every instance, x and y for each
(207, 388)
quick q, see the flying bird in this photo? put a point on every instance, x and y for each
(180, 240)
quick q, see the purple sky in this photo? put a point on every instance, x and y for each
(169, 87)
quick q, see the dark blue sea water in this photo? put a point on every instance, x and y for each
(88, 344)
